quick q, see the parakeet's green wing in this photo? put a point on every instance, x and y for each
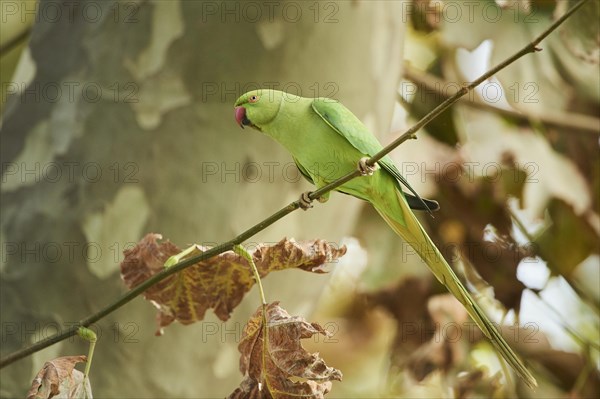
(345, 123)
(303, 171)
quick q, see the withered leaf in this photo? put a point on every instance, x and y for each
(567, 368)
(56, 377)
(446, 349)
(497, 262)
(406, 302)
(217, 283)
(471, 204)
(281, 368)
(478, 384)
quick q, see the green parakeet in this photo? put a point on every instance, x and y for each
(327, 141)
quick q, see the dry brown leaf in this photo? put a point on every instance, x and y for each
(282, 368)
(567, 368)
(447, 347)
(220, 282)
(477, 384)
(471, 205)
(430, 332)
(407, 304)
(55, 377)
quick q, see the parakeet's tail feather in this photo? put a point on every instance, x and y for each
(414, 234)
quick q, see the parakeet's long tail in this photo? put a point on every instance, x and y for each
(414, 234)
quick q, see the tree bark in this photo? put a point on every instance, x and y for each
(124, 125)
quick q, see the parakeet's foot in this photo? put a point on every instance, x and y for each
(364, 168)
(324, 198)
(305, 201)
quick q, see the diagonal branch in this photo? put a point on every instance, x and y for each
(229, 245)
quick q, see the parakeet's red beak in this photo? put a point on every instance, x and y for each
(240, 116)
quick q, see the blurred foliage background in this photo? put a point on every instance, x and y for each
(117, 120)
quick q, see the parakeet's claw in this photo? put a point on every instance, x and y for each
(324, 198)
(305, 201)
(364, 168)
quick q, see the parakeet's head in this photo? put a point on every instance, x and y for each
(258, 107)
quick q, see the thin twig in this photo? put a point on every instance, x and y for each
(265, 348)
(238, 249)
(89, 336)
(572, 121)
(409, 134)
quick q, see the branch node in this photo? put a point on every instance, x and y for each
(364, 168)
(305, 201)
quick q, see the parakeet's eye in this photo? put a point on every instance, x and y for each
(253, 99)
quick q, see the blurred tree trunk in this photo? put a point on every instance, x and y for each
(122, 124)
